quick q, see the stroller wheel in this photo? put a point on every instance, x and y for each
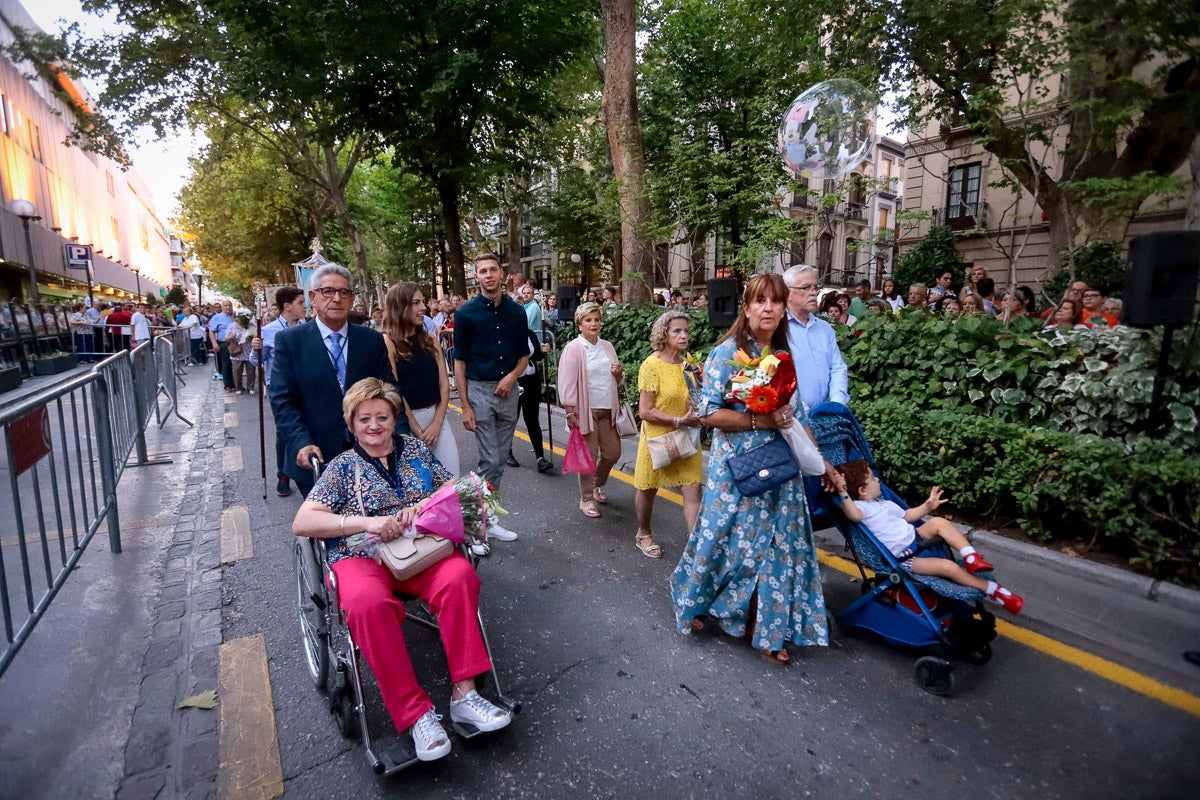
(979, 656)
(934, 675)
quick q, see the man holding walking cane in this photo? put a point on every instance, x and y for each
(289, 300)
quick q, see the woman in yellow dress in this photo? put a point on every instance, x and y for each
(664, 404)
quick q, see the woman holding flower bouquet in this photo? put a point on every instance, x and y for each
(589, 377)
(394, 475)
(665, 389)
(750, 563)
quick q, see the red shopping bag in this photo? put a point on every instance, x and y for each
(578, 458)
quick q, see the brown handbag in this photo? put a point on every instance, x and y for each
(407, 556)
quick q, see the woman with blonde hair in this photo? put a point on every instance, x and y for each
(665, 404)
(417, 368)
(378, 487)
(589, 380)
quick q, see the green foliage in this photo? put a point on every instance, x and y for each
(716, 77)
(1100, 266)
(1096, 382)
(923, 263)
(1055, 485)
(243, 215)
(175, 296)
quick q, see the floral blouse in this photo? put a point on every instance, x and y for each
(415, 473)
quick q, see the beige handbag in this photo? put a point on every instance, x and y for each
(626, 423)
(407, 556)
(672, 446)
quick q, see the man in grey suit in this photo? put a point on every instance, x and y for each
(314, 365)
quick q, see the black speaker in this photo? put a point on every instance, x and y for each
(568, 301)
(722, 302)
(1161, 279)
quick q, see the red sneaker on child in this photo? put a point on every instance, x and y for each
(1012, 603)
(976, 563)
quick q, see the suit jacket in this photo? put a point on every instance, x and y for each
(305, 395)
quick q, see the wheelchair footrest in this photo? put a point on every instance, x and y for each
(398, 756)
(468, 731)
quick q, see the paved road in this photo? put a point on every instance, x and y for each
(617, 704)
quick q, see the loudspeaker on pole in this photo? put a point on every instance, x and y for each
(722, 302)
(568, 301)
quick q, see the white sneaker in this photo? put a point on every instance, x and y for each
(474, 710)
(501, 533)
(429, 737)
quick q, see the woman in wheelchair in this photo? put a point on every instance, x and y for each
(398, 473)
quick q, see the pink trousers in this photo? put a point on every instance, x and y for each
(366, 592)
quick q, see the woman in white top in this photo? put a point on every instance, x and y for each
(589, 376)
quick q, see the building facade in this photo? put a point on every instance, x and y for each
(954, 181)
(80, 197)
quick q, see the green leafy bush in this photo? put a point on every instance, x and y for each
(1055, 485)
(1097, 381)
(932, 255)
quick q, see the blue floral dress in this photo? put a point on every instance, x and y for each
(743, 544)
(415, 473)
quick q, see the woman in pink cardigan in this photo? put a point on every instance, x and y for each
(589, 375)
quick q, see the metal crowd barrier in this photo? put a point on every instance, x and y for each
(169, 367)
(62, 482)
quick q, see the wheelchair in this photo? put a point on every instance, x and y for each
(335, 663)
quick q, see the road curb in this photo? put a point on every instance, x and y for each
(1102, 575)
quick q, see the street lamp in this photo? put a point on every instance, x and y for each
(137, 275)
(27, 211)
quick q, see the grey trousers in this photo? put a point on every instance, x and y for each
(495, 422)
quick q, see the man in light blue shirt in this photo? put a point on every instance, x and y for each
(216, 335)
(820, 370)
(533, 311)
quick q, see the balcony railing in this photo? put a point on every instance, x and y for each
(853, 212)
(889, 188)
(801, 201)
(962, 216)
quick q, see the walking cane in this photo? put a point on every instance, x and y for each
(546, 394)
(259, 302)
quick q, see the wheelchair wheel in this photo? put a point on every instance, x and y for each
(934, 675)
(342, 701)
(310, 599)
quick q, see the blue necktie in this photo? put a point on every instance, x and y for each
(339, 359)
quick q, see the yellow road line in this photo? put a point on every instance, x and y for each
(1101, 667)
(236, 541)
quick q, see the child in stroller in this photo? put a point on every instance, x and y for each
(860, 492)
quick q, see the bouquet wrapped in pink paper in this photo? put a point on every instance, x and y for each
(461, 511)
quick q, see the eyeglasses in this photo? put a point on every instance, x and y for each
(808, 287)
(328, 292)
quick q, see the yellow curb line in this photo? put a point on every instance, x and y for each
(1101, 667)
(250, 768)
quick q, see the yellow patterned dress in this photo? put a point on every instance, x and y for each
(671, 397)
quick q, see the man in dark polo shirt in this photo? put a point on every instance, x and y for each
(490, 353)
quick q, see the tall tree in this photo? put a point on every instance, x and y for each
(625, 141)
(1089, 105)
(243, 215)
(717, 76)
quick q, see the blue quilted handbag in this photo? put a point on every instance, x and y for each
(763, 468)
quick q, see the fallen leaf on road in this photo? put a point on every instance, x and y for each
(203, 700)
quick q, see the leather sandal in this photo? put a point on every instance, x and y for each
(780, 657)
(599, 496)
(649, 547)
(589, 508)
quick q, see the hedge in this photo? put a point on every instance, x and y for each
(1141, 504)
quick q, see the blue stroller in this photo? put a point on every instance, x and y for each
(942, 618)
